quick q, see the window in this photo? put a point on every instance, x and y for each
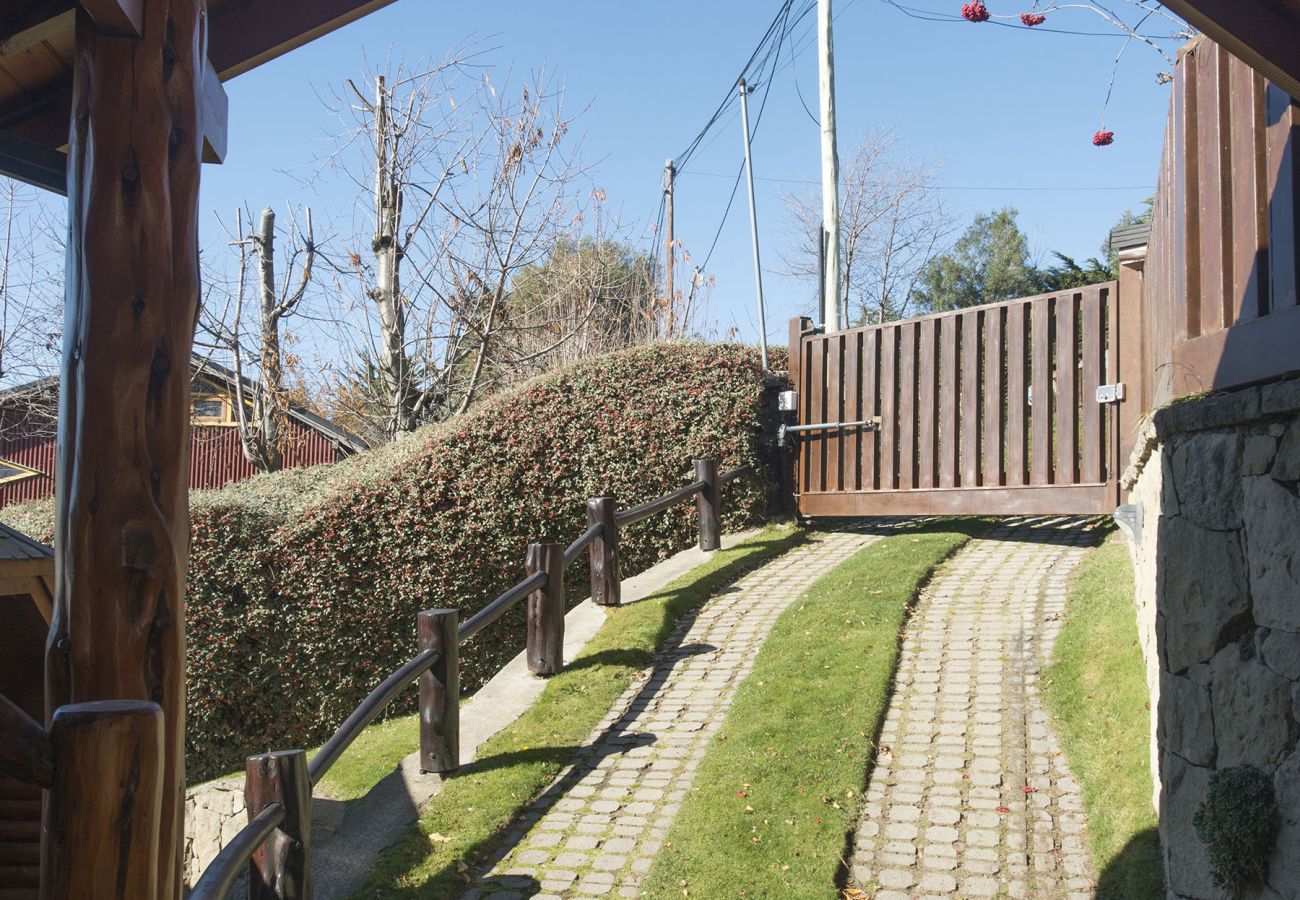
(12, 471)
(211, 411)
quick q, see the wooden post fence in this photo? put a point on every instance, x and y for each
(708, 504)
(605, 588)
(440, 692)
(281, 868)
(546, 610)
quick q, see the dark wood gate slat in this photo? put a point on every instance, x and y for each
(1017, 411)
(834, 411)
(888, 408)
(871, 441)
(907, 338)
(927, 373)
(816, 440)
(1066, 400)
(1249, 198)
(948, 402)
(969, 405)
(1090, 379)
(1041, 398)
(994, 431)
(853, 410)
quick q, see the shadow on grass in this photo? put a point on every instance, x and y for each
(677, 609)
(1137, 873)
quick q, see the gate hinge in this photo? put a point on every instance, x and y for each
(1110, 393)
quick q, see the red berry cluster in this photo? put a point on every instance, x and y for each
(1103, 138)
(1032, 19)
(975, 11)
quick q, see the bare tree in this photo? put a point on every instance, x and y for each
(261, 404)
(31, 312)
(470, 188)
(893, 222)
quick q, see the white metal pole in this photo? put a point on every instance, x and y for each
(753, 224)
(831, 316)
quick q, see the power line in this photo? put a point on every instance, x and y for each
(930, 15)
(957, 187)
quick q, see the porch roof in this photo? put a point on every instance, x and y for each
(1262, 33)
(36, 47)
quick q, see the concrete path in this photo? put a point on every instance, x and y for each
(970, 796)
(597, 829)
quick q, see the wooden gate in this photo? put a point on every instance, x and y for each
(988, 410)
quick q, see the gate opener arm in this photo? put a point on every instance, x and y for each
(872, 424)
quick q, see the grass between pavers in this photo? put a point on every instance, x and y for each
(778, 793)
(1097, 694)
(460, 824)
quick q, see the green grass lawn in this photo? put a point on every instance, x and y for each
(778, 792)
(1097, 693)
(459, 825)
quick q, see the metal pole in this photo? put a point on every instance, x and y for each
(831, 317)
(753, 224)
(669, 173)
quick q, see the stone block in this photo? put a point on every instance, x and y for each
(1257, 454)
(1202, 589)
(1286, 465)
(1252, 710)
(1280, 651)
(1187, 865)
(1272, 520)
(1207, 471)
(1186, 724)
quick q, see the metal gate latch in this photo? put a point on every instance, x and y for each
(1110, 393)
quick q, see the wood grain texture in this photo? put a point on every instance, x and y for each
(606, 586)
(439, 690)
(281, 868)
(1065, 402)
(927, 414)
(888, 408)
(907, 340)
(545, 612)
(869, 454)
(970, 403)
(25, 749)
(708, 505)
(994, 400)
(1090, 379)
(1040, 366)
(103, 834)
(949, 373)
(1017, 396)
(122, 533)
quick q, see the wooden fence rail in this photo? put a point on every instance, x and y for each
(276, 842)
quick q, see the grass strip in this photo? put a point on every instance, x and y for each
(1097, 693)
(779, 789)
(461, 824)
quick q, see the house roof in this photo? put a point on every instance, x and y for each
(1263, 33)
(214, 371)
(14, 545)
(36, 51)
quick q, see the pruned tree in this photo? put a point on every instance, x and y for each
(261, 404)
(892, 224)
(470, 188)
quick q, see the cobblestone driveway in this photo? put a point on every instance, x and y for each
(970, 796)
(597, 829)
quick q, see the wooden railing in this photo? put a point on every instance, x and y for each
(276, 842)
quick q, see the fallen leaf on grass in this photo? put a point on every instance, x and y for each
(437, 838)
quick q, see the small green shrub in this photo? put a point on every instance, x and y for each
(304, 585)
(1238, 823)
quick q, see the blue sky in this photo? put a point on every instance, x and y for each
(1007, 112)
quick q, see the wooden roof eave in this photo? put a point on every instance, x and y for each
(1262, 33)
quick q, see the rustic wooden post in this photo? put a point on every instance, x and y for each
(102, 838)
(605, 587)
(122, 516)
(708, 504)
(281, 868)
(546, 610)
(440, 692)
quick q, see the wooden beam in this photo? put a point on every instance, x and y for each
(36, 23)
(216, 114)
(122, 502)
(116, 18)
(33, 163)
(1263, 33)
(247, 34)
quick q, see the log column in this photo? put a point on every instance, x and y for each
(131, 302)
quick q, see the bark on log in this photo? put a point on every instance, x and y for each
(281, 868)
(122, 541)
(102, 817)
(440, 692)
(708, 504)
(545, 641)
(606, 589)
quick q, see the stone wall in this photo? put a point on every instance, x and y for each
(214, 813)
(1218, 599)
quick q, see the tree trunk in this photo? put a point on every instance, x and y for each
(387, 293)
(270, 393)
(132, 297)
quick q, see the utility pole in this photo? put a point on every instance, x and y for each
(669, 174)
(753, 223)
(830, 172)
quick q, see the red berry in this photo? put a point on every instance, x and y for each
(1032, 19)
(1103, 138)
(975, 11)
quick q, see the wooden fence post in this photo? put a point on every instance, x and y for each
(440, 692)
(605, 587)
(546, 610)
(708, 504)
(281, 868)
(103, 810)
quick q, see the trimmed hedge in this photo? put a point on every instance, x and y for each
(304, 585)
